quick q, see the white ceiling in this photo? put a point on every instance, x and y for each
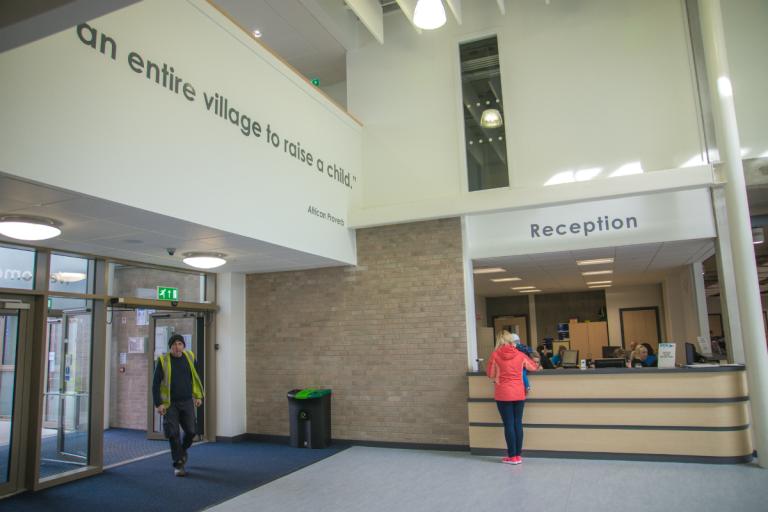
(103, 228)
(557, 272)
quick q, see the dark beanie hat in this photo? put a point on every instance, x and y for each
(176, 337)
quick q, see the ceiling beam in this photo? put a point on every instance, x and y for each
(455, 7)
(369, 12)
(502, 7)
(408, 7)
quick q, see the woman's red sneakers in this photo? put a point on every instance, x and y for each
(512, 460)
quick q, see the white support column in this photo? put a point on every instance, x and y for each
(729, 303)
(534, 339)
(700, 296)
(747, 288)
(469, 300)
(230, 358)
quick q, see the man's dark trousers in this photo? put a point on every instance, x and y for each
(180, 414)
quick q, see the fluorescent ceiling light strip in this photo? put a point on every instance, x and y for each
(597, 272)
(601, 286)
(599, 282)
(530, 291)
(491, 270)
(506, 279)
(598, 261)
(522, 287)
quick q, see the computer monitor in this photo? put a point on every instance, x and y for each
(608, 350)
(611, 362)
(570, 359)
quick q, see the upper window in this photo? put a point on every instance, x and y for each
(71, 274)
(148, 283)
(17, 268)
(484, 138)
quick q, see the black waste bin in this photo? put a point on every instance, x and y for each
(309, 412)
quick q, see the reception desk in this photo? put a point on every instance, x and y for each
(680, 414)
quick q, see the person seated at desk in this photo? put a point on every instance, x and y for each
(544, 352)
(557, 359)
(644, 356)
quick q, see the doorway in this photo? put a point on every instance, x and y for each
(162, 326)
(15, 340)
(640, 325)
(514, 324)
(137, 337)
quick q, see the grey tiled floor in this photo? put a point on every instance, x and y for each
(385, 479)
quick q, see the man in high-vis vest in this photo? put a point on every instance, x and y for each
(177, 391)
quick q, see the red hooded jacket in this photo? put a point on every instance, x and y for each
(505, 367)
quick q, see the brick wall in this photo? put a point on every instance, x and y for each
(388, 336)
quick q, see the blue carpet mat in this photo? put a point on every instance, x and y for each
(217, 472)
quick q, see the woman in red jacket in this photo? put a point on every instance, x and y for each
(505, 368)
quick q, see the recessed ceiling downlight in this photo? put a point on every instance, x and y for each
(28, 228)
(204, 260)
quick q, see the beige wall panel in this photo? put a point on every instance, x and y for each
(690, 415)
(669, 442)
(642, 384)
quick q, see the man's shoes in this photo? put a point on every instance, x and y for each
(518, 459)
(180, 471)
(512, 460)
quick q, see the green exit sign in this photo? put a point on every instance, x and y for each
(315, 82)
(167, 293)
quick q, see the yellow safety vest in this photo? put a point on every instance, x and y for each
(165, 385)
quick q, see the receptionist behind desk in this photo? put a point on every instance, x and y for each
(644, 356)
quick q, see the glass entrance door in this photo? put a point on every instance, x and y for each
(13, 338)
(65, 432)
(162, 327)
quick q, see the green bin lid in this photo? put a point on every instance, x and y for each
(307, 393)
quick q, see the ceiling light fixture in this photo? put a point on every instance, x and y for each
(204, 260)
(600, 286)
(758, 236)
(506, 279)
(22, 227)
(257, 33)
(491, 118)
(599, 282)
(429, 14)
(492, 270)
(597, 272)
(530, 291)
(68, 277)
(523, 287)
(598, 261)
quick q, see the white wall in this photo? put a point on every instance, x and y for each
(592, 84)
(78, 119)
(746, 39)
(230, 358)
(617, 298)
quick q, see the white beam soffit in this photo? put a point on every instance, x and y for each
(371, 15)
(408, 7)
(455, 7)
(502, 7)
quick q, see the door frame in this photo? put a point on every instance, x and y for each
(644, 308)
(200, 344)
(19, 438)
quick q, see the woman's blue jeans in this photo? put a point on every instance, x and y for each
(512, 416)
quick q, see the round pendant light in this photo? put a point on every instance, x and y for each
(491, 118)
(204, 260)
(429, 14)
(22, 227)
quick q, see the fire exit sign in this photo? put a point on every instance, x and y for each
(167, 293)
